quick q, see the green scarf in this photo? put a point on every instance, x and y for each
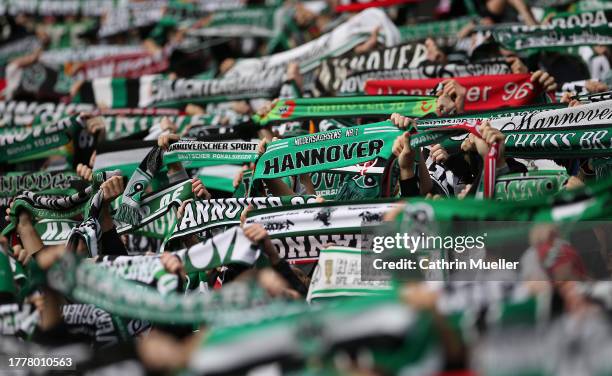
(123, 155)
(69, 8)
(87, 282)
(563, 143)
(396, 337)
(67, 34)
(550, 3)
(354, 106)
(147, 270)
(7, 280)
(339, 40)
(202, 153)
(129, 210)
(240, 23)
(49, 181)
(580, 131)
(123, 126)
(368, 186)
(156, 205)
(580, 19)
(588, 203)
(523, 186)
(160, 228)
(37, 139)
(424, 30)
(55, 231)
(568, 210)
(228, 247)
(201, 215)
(329, 150)
(327, 183)
(592, 5)
(42, 206)
(602, 167)
(22, 113)
(567, 31)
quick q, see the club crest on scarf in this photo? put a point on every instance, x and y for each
(287, 109)
(129, 210)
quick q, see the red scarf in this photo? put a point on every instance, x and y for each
(483, 92)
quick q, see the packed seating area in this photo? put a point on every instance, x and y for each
(318, 187)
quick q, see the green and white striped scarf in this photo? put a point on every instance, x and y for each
(124, 126)
(124, 155)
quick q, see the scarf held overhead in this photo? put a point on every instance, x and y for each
(37, 139)
(566, 132)
(482, 92)
(320, 218)
(357, 106)
(327, 150)
(202, 151)
(333, 71)
(355, 82)
(129, 211)
(566, 30)
(156, 91)
(201, 215)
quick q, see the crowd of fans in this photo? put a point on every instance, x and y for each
(96, 93)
